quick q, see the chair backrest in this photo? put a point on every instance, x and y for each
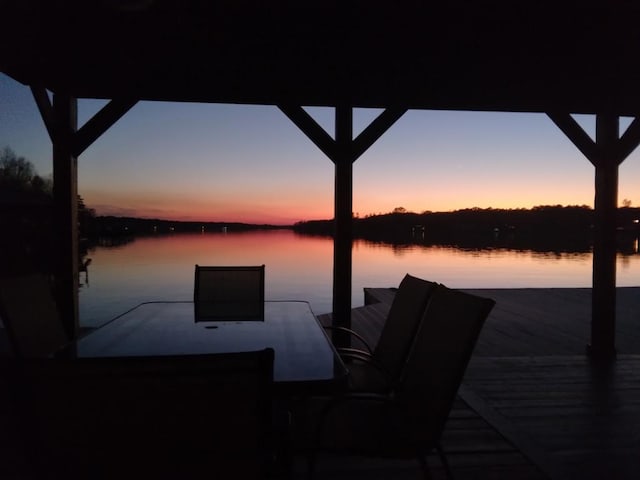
(30, 316)
(402, 323)
(438, 359)
(229, 293)
(149, 417)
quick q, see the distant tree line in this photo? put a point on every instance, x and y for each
(558, 225)
(17, 174)
(26, 211)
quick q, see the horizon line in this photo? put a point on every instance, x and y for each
(395, 211)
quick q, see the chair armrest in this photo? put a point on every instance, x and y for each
(361, 356)
(354, 353)
(352, 333)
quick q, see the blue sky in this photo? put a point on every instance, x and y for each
(250, 163)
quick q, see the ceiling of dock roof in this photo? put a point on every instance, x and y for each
(464, 55)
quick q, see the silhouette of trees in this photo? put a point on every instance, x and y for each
(25, 215)
(18, 174)
(86, 216)
(26, 210)
(547, 227)
(14, 171)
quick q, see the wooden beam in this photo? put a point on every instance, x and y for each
(310, 128)
(576, 134)
(343, 222)
(100, 123)
(61, 121)
(43, 103)
(65, 200)
(603, 321)
(606, 154)
(375, 130)
(629, 141)
(342, 151)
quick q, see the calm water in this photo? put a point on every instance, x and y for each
(300, 268)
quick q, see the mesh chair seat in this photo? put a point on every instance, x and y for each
(229, 293)
(408, 421)
(381, 369)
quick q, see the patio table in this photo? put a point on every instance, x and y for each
(305, 359)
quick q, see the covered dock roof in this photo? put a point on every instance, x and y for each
(576, 56)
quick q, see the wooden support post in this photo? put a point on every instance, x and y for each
(603, 321)
(606, 154)
(61, 121)
(65, 197)
(343, 235)
(343, 151)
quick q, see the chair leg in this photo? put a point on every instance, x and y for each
(426, 471)
(445, 462)
(311, 464)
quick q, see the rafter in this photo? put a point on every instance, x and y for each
(375, 130)
(629, 141)
(92, 129)
(576, 134)
(43, 102)
(100, 123)
(310, 128)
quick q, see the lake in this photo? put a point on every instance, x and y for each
(299, 267)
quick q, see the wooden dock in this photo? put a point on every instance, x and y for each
(531, 406)
(531, 384)
(570, 418)
(526, 321)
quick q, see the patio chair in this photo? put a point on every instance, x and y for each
(408, 422)
(30, 316)
(229, 293)
(377, 369)
(201, 416)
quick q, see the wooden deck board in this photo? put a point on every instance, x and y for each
(545, 321)
(531, 382)
(475, 450)
(571, 418)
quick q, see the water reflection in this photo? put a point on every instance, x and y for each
(299, 267)
(498, 241)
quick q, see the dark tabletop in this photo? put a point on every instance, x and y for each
(304, 356)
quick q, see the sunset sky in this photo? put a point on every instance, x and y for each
(186, 161)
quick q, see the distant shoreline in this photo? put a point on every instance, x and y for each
(112, 225)
(543, 216)
(542, 228)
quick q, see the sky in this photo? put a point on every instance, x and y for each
(247, 163)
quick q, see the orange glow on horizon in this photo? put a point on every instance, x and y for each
(257, 218)
(170, 208)
(284, 218)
